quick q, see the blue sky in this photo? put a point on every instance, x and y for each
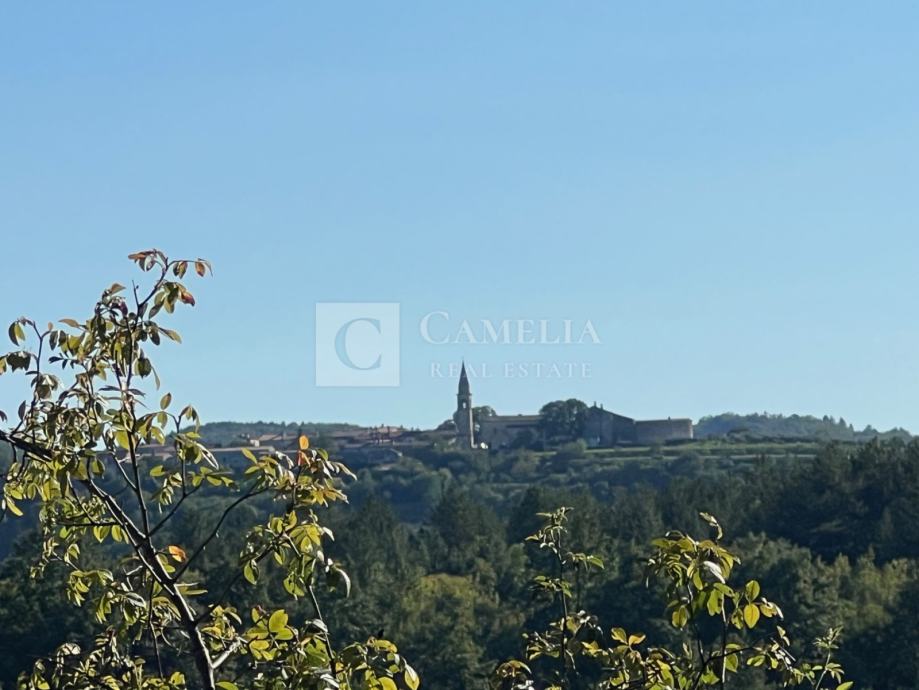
(727, 191)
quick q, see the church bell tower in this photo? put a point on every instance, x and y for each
(465, 430)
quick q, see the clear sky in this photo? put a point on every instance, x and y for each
(726, 191)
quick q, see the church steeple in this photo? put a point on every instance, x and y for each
(465, 430)
(464, 382)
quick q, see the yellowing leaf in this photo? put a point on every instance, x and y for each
(177, 552)
(304, 443)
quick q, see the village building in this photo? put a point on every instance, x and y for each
(602, 428)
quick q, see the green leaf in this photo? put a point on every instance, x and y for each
(121, 438)
(731, 662)
(411, 678)
(250, 572)
(715, 570)
(227, 685)
(165, 400)
(278, 621)
(751, 615)
(17, 335)
(845, 686)
(713, 523)
(387, 683)
(680, 616)
(337, 578)
(752, 590)
(143, 367)
(713, 603)
(12, 507)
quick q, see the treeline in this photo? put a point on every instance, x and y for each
(228, 434)
(832, 538)
(562, 420)
(779, 426)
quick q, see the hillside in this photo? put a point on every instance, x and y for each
(741, 427)
(226, 434)
(765, 425)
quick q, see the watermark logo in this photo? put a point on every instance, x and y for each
(357, 344)
(437, 328)
(513, 370)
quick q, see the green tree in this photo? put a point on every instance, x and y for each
(563, 420)
(444, 615)
(27, 605)
(481, 412)
(110, 464)
(725, 630)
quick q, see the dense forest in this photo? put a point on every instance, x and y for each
(767, 425)
(437, 560)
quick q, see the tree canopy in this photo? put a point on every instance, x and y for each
(109, 463)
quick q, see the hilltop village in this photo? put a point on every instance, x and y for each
(602, 428)
(468, 428)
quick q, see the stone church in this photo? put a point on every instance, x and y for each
(602, 428)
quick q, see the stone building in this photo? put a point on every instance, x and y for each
(602, 428)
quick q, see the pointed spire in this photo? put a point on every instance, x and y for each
(465, 430)
(463, 380)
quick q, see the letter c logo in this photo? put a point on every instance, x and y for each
(341, 347)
